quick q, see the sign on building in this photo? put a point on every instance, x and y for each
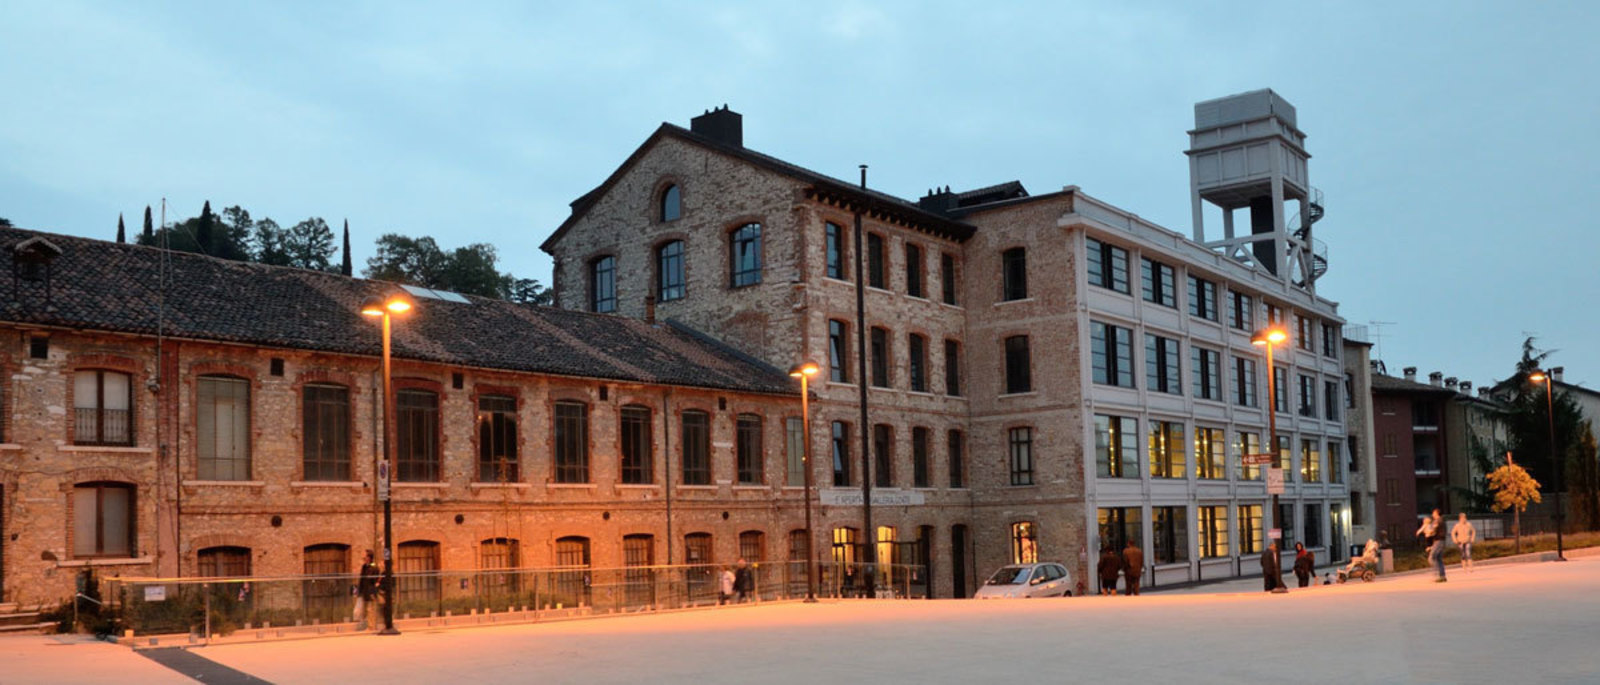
(1274, 481)
(881, 497)
(383, 480)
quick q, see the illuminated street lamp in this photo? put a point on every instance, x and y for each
(1267, 337)
(385, 308)
(1540, 376)
(804, 371)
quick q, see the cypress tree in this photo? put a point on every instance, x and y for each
(149, 228)
(122, 233)
(344, 267)
(203, 231)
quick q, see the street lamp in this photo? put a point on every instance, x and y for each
(804, 371)
(1539, 376)
(1267, 337)
(385, 308)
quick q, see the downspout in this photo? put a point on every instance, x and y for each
(666, 461)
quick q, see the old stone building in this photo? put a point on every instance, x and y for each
(1043, 374)
(228, 423)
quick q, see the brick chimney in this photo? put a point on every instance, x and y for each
(1436, 379)
(720, 125)
(650, 309)
(1411, 373)
(1556, 373)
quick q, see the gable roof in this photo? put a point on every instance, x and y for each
(882, 206)
(104, 286)
(1384, 383)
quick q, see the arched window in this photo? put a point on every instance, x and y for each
(671, 203)
(749, 455)
(638, 555)
(103, 520)
(753, 546)
(744, 255)
(103, 408)
(417, 564)
(325, 432)
(222, 418)
(603, 284)
(638, 451)
(695, 456)
(697, 554)
(571, 442)
(327, 596)
(497, 439)
(219, 562)
(499, 553)
(669, 271)
(417, 443)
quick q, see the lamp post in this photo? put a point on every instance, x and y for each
(1267, 337)
(1550, 414)
(385, 308)
(804, 371)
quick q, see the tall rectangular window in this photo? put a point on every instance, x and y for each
(1249, 443)
(325, 432)
(1108, 265)
(669, 271)
(603, 284)
(880, 357)
(1242, 314)
(1250, 532)
(914, 272)
(1207, 373)
(1213, 532)
(696, 457)
(102, 403)
(795, 443)
(1161, 364)
(954, 451)
(918, 365)
(1274, 314)
(1244, 382)
(1330, 400)
(1310, 461)
(571, 442)
(103, 520)
(1019, 372)
(834, 239)
(1308, 396)
(1313, 525)
(1307, 332)
(1331, 340)
(947, 277)
(1116, 446)
(497, 439)
(952, 368)
(417, 436)
(1014, 274)
(1021, 442)
(841, 454)
(1170, 528)
(1166, 449)
(638, 450)
(223, 427)
(882, 456)
(1280, 384)
(1119, 525)
(919, 457)
(744, 255)
(1210, 454)
(1159, 283)
(1202, 298)
(1284, 458)
(877, 270)
(1111, 353)
(838, 352)
(1335, 461)
(748, 452)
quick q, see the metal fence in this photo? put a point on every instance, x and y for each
(206, 607)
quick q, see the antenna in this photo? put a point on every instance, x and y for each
(1377, 336)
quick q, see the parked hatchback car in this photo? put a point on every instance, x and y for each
(1027, 580)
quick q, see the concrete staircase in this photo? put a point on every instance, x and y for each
(24, 620)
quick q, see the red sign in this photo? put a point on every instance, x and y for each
(1256, 459)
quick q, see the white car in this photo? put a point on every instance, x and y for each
(1027, 580)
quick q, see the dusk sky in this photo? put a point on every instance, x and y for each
(1456, 142)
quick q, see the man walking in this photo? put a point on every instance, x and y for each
(1432, 531)
(1132, 567)
(366, 591)
(1110, 567)
(1271, 570)
(744, 581)
(1463, 534)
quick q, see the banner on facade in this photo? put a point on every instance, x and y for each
(1274, 481)
(881, 497)
(383, 480)
(1255, 459)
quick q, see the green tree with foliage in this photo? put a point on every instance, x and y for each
(148, 235)
(469, 270)
(266, 242)
(1513, 489)
(1583, 475)
(344, 260)
(4, 222)
(530, 291)
(1528, 417)
(203, 234)
(309, 244)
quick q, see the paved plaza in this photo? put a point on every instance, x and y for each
(1533, 622)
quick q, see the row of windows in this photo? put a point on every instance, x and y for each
(879, 369)
(883, 460)
(1217, 534)
(1116, 444)
(1108, 269)
(837, 256)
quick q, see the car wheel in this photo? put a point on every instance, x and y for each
(1068, 593)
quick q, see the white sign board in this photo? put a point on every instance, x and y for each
(155, 593)
(1275, 533)
(383, 481)
(1274, 481)
(881, 497)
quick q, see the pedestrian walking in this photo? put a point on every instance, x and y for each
(1271, 568)
(1304, 564)
(1132, 567)
(744, 581)
(725, 586)
(1110, 567)
(366, 591)
(1463, 534)
(1432, 533)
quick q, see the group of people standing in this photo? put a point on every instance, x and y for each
(1432, 534)
(1305, 566)
(739, 582)
(1129, 564)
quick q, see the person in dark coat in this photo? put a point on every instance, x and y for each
(744, 581)
(366, 591)
(1132, 567)
(1271, 572)
(1110, 566)
(1304, 564)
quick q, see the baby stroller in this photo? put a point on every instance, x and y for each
(1365, 568)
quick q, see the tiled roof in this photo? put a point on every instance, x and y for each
(103, 286)
(1384, 383)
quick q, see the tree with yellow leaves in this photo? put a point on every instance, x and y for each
(1513, 489)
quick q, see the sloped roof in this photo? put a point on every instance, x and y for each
(1383, 383)
(104, 286)
(823, 187)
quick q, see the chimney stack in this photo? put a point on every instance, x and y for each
(1450, 382)
(1466, 388)
(1436, 379)
(650, 309)
(1556, 373)
(1411, 373)
(721, 125)
(1483, 392)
